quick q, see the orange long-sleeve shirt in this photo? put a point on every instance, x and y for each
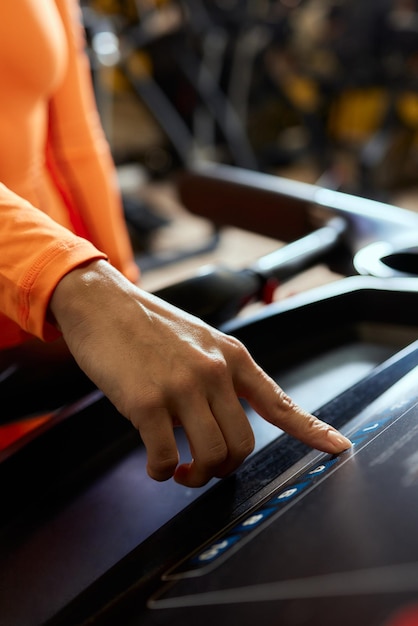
(59, 200)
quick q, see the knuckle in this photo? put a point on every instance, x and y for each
(286, 404)
(163, 468)
(182, 383)
(209, 370)
(217, 367)
(242, 449)
(312, 424)
(236, 457)
(140, 403)
(294, 419)
(246, 446)
(216, 454)
(237, 348)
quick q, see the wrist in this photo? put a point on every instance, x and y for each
(78, 290)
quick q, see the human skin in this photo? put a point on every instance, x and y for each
(163, 368)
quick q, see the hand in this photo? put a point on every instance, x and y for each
(162, 368)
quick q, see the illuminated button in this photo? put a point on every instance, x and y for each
(289, 493)
(374, 425)
(321, 468)
(254, 520)
(214, 550)
(370, 428)
(317, 470)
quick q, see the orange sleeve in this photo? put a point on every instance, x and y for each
(36, 253)
(78, 155)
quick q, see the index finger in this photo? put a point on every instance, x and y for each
(275, 406)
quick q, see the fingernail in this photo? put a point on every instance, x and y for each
(338, 440)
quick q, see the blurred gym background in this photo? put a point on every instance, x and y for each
(324, 91)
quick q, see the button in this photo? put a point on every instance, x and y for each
(321, 468)
(214, 550)
(289, 493)
(369, 428)
(254, 520)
